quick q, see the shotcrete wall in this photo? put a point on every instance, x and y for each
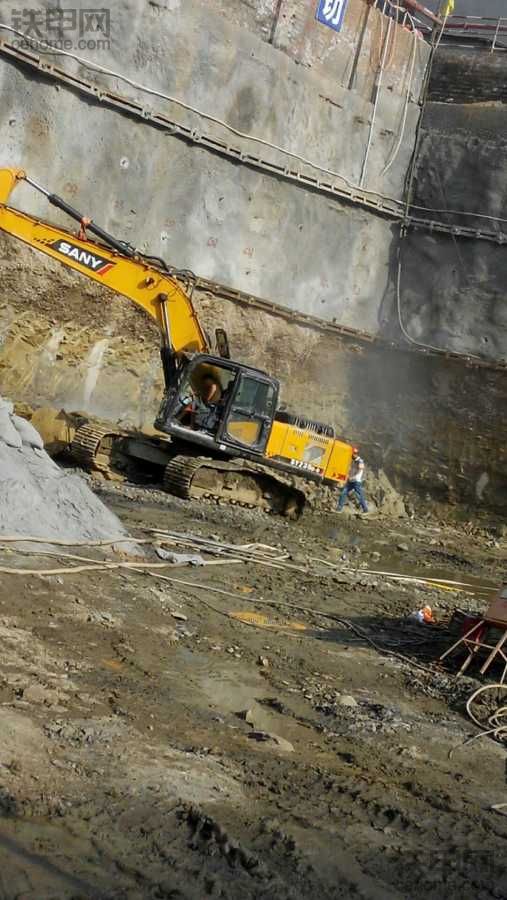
(453, 289)
(266, 69)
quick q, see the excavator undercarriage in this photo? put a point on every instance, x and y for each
(183, 473)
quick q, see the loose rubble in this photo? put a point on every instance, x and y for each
(275, 728)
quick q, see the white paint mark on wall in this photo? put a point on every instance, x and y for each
(93, 364)
(49, 351)
(482, 483)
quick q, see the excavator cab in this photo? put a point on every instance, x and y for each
(220, 404)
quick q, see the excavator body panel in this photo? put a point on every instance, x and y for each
(8, 181)
(309, 452)
(243, 420)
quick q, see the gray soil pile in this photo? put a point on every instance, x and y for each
(38, 499)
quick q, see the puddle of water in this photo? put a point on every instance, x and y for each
(232, 691)
(342, 538)
(482, 588)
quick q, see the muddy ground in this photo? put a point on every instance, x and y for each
(135, 711)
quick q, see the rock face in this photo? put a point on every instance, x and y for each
(37, 499)
(387, 500)
(452, 288)
(435, 426)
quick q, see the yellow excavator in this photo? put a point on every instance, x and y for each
(220, 434)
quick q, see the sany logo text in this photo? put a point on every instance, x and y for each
(89, 260)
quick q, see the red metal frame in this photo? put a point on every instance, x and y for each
(423, 11)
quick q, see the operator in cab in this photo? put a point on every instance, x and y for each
(206, 412)
(203, 411)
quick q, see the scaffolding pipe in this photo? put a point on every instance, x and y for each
(473, 26)
(378, 87)
(493, 45)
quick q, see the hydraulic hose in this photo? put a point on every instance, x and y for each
(60, 203)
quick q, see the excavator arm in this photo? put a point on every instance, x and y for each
(117, 266)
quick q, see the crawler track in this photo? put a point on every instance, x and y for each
(92, 447)
(249, 485)
(237, 483)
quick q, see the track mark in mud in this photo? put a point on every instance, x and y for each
(207, 834)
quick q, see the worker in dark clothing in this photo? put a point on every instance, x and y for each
(205, 412)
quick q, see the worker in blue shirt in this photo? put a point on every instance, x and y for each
(354, 482)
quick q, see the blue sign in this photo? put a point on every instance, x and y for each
(331, 13)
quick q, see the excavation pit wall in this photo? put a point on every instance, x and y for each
(435, 425)
(266, 69)
(452, 289)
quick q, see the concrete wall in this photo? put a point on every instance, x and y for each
(469, 76)
(310, 91)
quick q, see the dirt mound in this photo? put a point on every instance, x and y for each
(386, 498)
(37, 498)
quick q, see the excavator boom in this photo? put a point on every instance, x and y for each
(157, 293)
